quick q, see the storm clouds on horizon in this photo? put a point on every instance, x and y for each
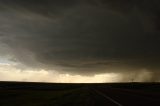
(83, 37)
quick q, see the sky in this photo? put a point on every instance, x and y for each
(79, 41)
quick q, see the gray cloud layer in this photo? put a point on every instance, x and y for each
(82, 36)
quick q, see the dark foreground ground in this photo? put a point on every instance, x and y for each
(110, 94)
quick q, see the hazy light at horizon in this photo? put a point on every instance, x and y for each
(9, 72)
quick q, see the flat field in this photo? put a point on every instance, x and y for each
(60, 94)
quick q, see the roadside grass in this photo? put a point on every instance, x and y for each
(43, 98)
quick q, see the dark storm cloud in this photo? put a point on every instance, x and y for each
(82, 36)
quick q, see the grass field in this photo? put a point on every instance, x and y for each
(54, 94)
